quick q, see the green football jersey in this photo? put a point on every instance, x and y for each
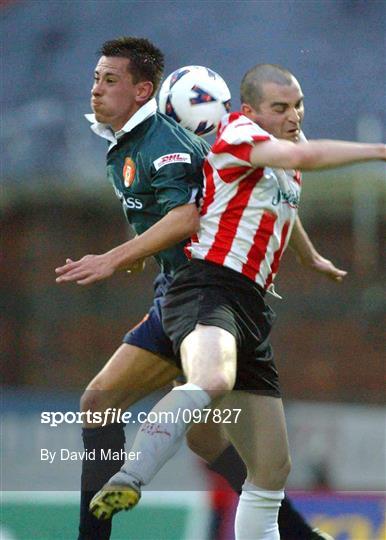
(155, 167)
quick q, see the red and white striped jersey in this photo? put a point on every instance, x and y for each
(247, 213)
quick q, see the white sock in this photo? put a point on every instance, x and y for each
(158, 441)
(257, 511)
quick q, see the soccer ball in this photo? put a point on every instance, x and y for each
(196, 97)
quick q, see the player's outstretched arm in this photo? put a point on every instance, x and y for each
(314, 155)
(308, 255)
(179, 224)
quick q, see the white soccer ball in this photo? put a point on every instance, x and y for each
(196, 97)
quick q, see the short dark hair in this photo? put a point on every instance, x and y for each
(251, 89)
(146, 60)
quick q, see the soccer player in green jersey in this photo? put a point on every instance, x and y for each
(154, 166)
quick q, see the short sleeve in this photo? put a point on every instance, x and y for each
(230, 154)
(177, 179)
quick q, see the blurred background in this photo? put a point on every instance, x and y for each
(56, 203)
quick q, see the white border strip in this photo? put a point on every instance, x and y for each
(197, 501)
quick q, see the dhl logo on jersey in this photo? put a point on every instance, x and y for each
(180, 157)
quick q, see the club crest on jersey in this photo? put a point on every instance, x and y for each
(171, 158)
(128, 172)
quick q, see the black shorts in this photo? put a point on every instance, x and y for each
(210, 294)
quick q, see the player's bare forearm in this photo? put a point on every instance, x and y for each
(314, 155)
(301, 243)
(179, 224)
(308, 255)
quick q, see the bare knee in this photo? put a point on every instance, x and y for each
(97, 400)
(282, 473)
(209, 359)
(113, 386)
(92, 400)
(269, 475)
(100, 394)
(216, 384)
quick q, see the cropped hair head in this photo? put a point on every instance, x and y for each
(146, 61)
(251, 89)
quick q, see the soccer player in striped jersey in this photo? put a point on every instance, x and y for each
(155, 168)
(215, 311)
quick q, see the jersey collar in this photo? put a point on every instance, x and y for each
(105, 131)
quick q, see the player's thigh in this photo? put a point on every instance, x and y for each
(130, 374)
(209, 358)
(260, 437)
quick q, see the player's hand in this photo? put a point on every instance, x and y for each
(87, 270)
(327, 268)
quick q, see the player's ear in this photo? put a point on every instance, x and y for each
(248, 111)
(144, 91)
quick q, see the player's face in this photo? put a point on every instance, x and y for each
(114, 95)
(281, 111)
